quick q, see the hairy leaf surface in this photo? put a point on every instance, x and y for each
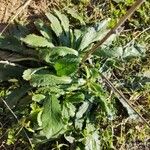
(38, 80)
(55, 24)
(52, 124)
(92, 139)
(36, 41)
(66, 66)
(64, 21)
(51, 54)
(44, 29)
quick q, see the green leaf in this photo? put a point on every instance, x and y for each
(87, 39)
(29, 72)
(101, 29)
(52, 124)
(106, 106)
(91, 138)
(65, 36)
(19, 30)
(76, 98)
(44, 29)
(63, 51)
(55, 24)
(13, 98)
(95, 87)
(75, 15)
(64, 21)
(134, 50)
(82, 109)
(116, 52)
(10, 72)
(38, 97)
(96, 33)
(66, 66)
(39, 121)
(38, 80)
(36, 41)
(102, 99)
(52, 53)
(42, 77)
(68, 111)
(70, 139)
(51, 90)
(77, 37)
(11, 43)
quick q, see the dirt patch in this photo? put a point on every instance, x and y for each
(7, 9)
(36, 8)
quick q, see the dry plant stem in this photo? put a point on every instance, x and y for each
(19, 11)
(114, 30)
(124, 99)
(18, 122)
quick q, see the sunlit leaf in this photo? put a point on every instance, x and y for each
(82, 109)
(38, 97)
(134, 50)
(75, 15)
(66, 66)
(76, 98)
(91, 138)
(52, 124)
(68, 111)
(87, 38)
(38, 80)
(36, 41)
(44, 29)
(64, 20)
(55, 24)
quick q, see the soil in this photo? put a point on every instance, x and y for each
(9, 8)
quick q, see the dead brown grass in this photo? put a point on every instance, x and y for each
(36, 8)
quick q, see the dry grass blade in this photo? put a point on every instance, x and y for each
(14, 17)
